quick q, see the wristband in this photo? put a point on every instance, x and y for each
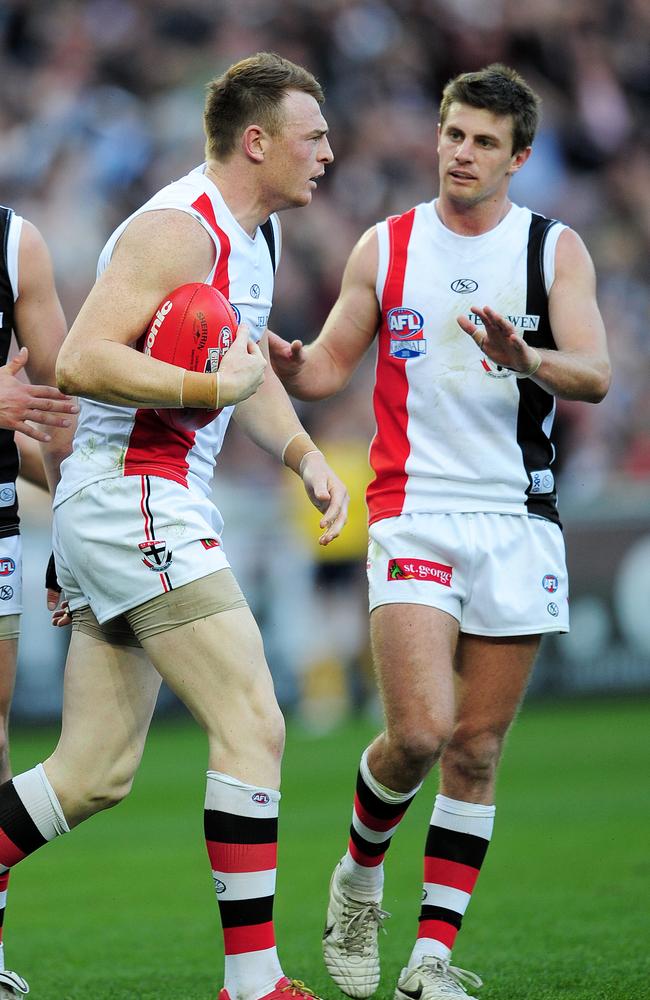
(531, 371)
(200, 390)
(314, 451)
(295, 449)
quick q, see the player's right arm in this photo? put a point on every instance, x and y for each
(324, 367)
(157, 252)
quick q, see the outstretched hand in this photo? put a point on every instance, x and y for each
(286, 358)
(499, 341)
(40, 404)
(327, 493)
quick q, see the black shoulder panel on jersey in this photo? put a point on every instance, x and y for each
(535, 404)
(8, 451)
(269, 236)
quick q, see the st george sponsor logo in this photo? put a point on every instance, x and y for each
(405, 327)
(155, 554)
(419, 569)
(261, 798)
(7, 566)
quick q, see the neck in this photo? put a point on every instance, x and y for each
(240, 195)
(472, 220)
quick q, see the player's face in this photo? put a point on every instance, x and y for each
(298, 154)
(475, 158)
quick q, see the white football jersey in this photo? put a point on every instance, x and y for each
(121, 441)
(454, 431)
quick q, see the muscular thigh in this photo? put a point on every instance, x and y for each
(492, 675)
(216, 665)
(109, 695)
(413, 649)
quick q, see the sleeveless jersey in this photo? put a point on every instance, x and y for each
(123, 441)
(10, 229)
(455, 432)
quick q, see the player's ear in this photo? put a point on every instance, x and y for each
(518, 159)
(254, 142)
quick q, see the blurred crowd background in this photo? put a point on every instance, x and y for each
(101, 105)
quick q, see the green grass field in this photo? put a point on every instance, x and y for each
(124, 907)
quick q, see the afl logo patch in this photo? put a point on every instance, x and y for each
(7, 566)
(464, 286)
(261, 798)
(405, 328)
(550, 583)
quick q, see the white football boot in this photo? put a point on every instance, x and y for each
(12, 986)
(350, 946)
(436, 979)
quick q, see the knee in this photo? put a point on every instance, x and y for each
(270, 730)
(473, 755)
(104, 791)
(419, 747)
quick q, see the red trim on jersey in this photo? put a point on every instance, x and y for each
(451, 873)
(251, 937)
(391, 447)
(9, 854)
(4, 880)
(242, 857)
(379, 825)
(438, 930)
(221, 280)
(156, 449)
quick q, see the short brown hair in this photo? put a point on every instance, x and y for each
(501, 90)
(251, 91)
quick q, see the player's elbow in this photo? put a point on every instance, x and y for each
(68, 371)
(601, 383)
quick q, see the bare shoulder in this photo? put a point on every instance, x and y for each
(34, 261)
(170, 243)
(572, 254)
(364, 259)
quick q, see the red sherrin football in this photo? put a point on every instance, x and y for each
(192, 328)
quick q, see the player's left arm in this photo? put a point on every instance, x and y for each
(580, 367)
(40, 326)
(269, 419)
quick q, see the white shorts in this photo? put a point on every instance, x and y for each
(122, 541)
(11, 575)
(497, 574)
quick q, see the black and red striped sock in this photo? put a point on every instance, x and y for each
(30, 816)
(376, 815)
(241, 830)
(457, 841)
